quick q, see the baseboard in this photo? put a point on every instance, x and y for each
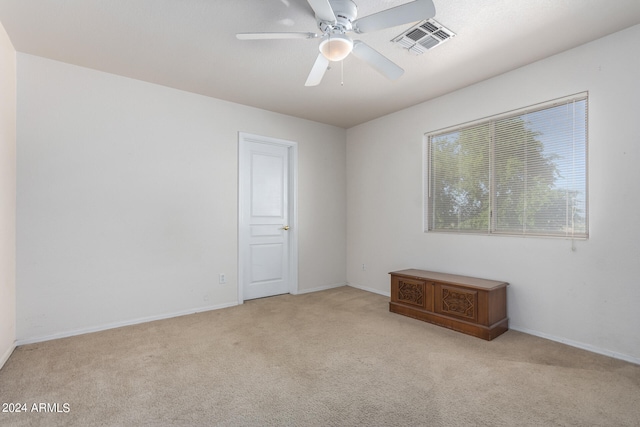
(568, 342)
(137, 321)
(7, 355)
(121, 324)
(368, 289)
(579, 345)
(320, 288)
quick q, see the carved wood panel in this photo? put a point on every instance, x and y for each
(466, 304)
(411, 292)
(459, 302)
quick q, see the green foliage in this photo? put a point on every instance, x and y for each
(523, 186)
(462, 179)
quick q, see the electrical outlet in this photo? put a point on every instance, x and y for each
(364, 267)
(222, 279)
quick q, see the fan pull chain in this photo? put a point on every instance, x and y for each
(342, 73)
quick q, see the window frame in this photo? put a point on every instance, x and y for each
(492, 227)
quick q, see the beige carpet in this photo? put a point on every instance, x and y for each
(332, 358)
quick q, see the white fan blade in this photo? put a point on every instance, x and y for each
(272, 36)
(317, 72)
(414, 11)
(381, 63)
(323, 10)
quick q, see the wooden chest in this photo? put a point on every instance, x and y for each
(470, 305)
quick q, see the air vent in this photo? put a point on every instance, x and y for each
(429, 42)
(442, 35)
(424, 36)
(429, 27)
(416, 34)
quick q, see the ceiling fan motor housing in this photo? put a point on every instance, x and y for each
(345, 11)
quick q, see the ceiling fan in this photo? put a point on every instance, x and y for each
(336, 18)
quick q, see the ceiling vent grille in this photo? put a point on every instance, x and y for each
(424, 36)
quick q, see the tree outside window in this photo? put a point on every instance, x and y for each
(523, 174)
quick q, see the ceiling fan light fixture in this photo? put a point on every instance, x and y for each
(336, 47)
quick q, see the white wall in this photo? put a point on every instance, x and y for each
(7, 197)
(127, 199)
(588, 298)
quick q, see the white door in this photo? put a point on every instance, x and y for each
(265, 217)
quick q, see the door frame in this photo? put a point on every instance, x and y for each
(244, 139)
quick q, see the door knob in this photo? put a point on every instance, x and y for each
(285, 228)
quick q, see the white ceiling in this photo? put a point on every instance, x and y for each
(191, 45)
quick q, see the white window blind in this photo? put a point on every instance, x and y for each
(520, 173)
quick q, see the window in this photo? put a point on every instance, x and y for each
(520, 173)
